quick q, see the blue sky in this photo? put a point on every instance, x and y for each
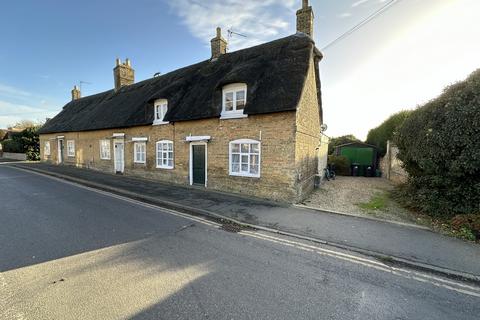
(401, 59)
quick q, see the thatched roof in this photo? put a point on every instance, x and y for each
(274, 72)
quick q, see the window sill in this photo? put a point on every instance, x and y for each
(245, 175)
(105, 158)
(71, 156)
(138, 162)
(159, 123)
(165, 167)
(232, 115)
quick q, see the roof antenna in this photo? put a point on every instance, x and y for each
(83, 82)
(232, 33)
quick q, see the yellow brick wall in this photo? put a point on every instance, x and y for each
(275, 131)
(308, 136)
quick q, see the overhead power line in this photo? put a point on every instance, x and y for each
(372, 16)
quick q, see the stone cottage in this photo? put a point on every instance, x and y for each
(246, 122)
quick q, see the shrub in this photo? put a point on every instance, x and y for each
(342, 165)
(26, 142)
(440, 148)
(31, 143)
(386, 131)
(467, 223)
(12, 145)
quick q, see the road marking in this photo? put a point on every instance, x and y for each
(405, 273)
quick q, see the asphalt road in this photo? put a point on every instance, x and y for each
(67, 252)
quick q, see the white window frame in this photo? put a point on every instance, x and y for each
(163, 152)
(71, 148)
(160, 109)
(46, 149)
(135, 153)
(230, 156)
(105, 149)
(233, 88)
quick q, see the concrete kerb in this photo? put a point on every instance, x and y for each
(385, 258)
(404, 224)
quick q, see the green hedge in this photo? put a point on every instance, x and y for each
(342, 165)
(26, 142)
(386, 131)
(439, 144)
(13, 146)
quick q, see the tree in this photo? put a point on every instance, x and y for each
(440, 147)
(336, 141)
(386, 131)
(3, 133)
(24, 124)
(31, 143)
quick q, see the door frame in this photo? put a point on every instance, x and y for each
(198, 143)
(60, 154)
(118, 141)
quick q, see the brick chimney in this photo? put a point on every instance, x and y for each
(123, 74)
(76, 94)
(305, 19)
(219, 45)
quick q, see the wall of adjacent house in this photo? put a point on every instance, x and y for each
(308, 136)
(276, 132)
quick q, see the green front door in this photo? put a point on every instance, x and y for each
(198, 164)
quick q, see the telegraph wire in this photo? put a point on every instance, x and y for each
(372, 16)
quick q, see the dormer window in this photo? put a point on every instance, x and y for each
(234, 101)
(160, 110)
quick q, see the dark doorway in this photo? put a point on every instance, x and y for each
(198, 164)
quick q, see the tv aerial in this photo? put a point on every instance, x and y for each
(231, 33)
(82, 83)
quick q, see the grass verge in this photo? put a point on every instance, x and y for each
(377, 202)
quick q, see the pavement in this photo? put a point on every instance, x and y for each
(71, 252)
(401, 244)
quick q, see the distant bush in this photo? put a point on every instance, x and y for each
(26, 141)
(342, 165)
(439, 145)
(12, 145)
(31, 143)
(386, 131)
(336, 141)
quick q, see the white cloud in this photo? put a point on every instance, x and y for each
(344, 15)
(359, 3)
(260, 21)
(10, 113)
(12, 91)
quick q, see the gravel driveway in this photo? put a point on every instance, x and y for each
(351, 194)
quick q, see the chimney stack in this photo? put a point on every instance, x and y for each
(219, 45)
(76, 94)
(305, 19)
(123, 73)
